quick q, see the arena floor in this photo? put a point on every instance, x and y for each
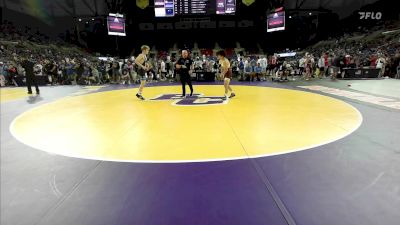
(306, 153)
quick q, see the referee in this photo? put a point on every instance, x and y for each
(30, 76)
(184, 67)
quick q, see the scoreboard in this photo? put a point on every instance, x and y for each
(170, 8)
(193, 7)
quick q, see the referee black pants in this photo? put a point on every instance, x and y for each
(185, 79)
(29, 81)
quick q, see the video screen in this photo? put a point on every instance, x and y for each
(225, 7)
(276, 21)
(116, 25)
(164, 8)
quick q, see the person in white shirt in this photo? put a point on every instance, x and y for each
(264, 65)
(246, 63)
(301, 65)
(321, 66)
(38, 69)
(259, 60)
(163, 70)
(380, 64)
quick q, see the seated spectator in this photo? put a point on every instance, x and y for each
(12, 73)
(257, 72)
(94, 77)
(248, 70)
(125, 79)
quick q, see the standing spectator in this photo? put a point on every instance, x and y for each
(321, 66)
(93, 77)
(308, 66)
(302, 65)
(336, 64)
(78, 71)
(51, 69)
(116, 76)
(373, 60)
(61, 72)
(5, 73)
(38, 69)
(2, 77)
(264, 65)
(380, 64)
(12, 73)
(169, 67)
(163, 70)
(241, 70)
(70, 71)
(253, 63)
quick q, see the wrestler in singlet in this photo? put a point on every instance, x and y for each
(226, 72)
(142, 68)
(140, 71)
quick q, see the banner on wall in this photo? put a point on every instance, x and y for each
(142, 3)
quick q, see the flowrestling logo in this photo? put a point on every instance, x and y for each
(195, 100)
(370, 15)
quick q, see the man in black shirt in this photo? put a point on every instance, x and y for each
(336, 65)
(30, 76)
(184, 67)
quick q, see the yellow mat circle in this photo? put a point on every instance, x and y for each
(116, 126)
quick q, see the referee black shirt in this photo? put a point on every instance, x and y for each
(184, 72)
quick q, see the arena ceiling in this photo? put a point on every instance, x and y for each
(56, 8)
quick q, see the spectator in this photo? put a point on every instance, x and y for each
(380, 64)
(116, 76)
(125, 77)
(257, 72)
(2, 77)
(321, 67)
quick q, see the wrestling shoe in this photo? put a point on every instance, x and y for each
(139, 97)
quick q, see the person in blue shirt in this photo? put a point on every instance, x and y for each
(257, 72)
(241, 69)
(4, 69)
(248, 70)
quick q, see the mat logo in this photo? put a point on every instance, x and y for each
(195, 100)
